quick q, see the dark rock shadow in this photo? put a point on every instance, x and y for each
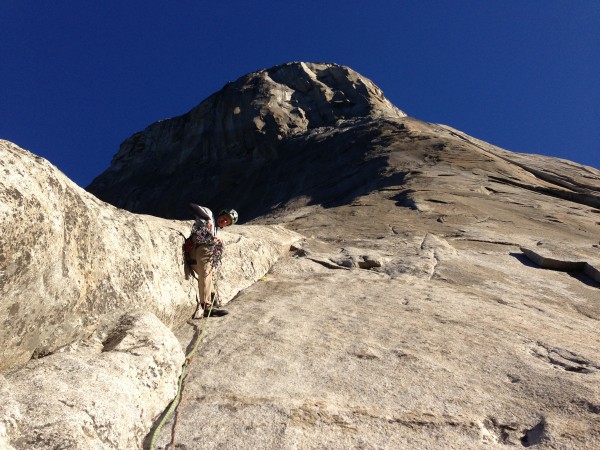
(535, 435)
(329, 172)
(579, 276)
(525, 260)
(329, 168)
(405, 200)
(584, 279)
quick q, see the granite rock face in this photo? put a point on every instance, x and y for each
(415, 317)
(68, 258)
(303, 133)
(249, 134)
(101, 392)
(418, 311)
(89, 295)
(440, 292)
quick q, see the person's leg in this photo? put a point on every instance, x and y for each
(208, 284)
(204, 272)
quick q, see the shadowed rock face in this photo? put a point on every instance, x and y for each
(418, 309)
(297, 119)
(308, 133)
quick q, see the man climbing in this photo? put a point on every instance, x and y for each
(205, 254)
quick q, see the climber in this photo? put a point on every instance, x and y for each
(205, 251)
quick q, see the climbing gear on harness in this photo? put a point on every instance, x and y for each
(217, 253)
(202, 233)
(188, 245)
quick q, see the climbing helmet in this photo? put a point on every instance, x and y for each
(231, 213)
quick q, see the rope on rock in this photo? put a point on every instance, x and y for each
(175, 421)
(185, 368)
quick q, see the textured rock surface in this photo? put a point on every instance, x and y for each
(409, 316)
(249, 134)
(456, 341)
(101, 392)
(67, 258)
(565, 257)
(71, 267)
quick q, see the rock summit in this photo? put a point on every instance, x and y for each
(396, 283)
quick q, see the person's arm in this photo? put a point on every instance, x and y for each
(201, 212)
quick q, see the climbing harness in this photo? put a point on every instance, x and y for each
(201, 235)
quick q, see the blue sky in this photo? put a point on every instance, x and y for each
(77, 78)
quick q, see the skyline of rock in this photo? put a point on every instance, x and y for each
(297, 118)
(397, 284)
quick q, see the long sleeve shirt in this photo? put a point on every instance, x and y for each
(204, 216)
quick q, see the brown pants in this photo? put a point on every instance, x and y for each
(204, 270)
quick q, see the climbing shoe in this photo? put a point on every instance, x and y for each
(215, 312)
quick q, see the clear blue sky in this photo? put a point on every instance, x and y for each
(78, 77)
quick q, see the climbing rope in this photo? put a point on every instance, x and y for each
(185, 369)
(176, 420)
(180, 384)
